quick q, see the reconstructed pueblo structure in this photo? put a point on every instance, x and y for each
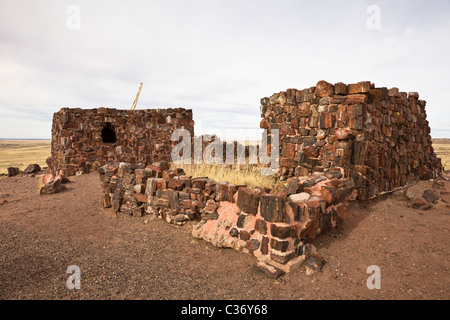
(337, 143)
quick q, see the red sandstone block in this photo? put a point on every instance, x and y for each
(343, 134)
(232, 190)
(324, 89)
(356, 98)
(155, 172)
(282, 258)
(210, 188)
(282, 231)
(285, 162)
(281, 246)
(141, 197)
(309, 231)
(287, 129)
(244, 235)
(176, 184)
(326, 120)
(211, 207)
(168, 174)
(273, 208)
(311, 152)
(268, 270)
(360, 87)
(288, 150)
(221, 191)
(261, 226)
(340, 89)
(248, 200)
(199, 183)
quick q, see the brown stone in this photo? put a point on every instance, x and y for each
(311, 152)
(268, 270)
(261, 226)
(340, 89)
(280, 231)
(211, 207)
(282, 258)
(13, 171)
(360, 87)
(264, 245)
(32, 168)
(248, 200)
(273, 208)
(244, 235)
(53, 187)
(324, 89)
(281, 246)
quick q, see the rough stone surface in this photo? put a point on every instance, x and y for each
(86, 139)
(383, 134)
(32, 168)
(12, 171)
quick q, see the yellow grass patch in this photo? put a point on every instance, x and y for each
(21, 153)
(245, 175)
(443, 151)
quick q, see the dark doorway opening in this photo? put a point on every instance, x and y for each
(108, 134)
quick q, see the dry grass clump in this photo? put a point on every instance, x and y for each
(242, 175)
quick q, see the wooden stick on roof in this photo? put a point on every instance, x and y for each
(133, 107)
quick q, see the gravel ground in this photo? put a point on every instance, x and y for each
(122, 257)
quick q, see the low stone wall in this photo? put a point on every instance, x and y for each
(274, 225)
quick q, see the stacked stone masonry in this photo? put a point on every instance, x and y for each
(275, 225)
(86, 139)
(381, 134)
(337, 143)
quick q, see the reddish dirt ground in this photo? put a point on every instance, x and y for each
(143, 258)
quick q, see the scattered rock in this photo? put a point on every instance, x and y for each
(431, 196)
(418, 203)
(32, 168)
(421, 203)
(268, 270)
(63, 179)
(3, 202)
(52, 187)
(234, 233)
(438, 185)
(12, 171)
(315, 263)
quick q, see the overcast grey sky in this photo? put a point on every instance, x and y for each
(217, 57)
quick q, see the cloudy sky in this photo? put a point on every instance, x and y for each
(217, 57)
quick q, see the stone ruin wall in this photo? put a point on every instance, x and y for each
(337, 143)
(380, 137)
(141, 136)
(275, 225)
